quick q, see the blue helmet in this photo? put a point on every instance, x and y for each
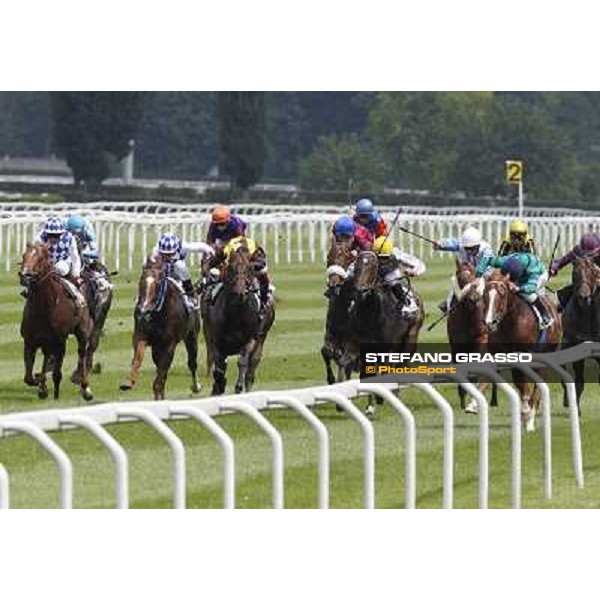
(169, 243)
(54, 226)
(364, 207)
(344, 226)
(76, 223)
(514, 268)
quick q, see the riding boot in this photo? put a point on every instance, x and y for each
(24, 292)
(188, 288)
(443, 306)
(400, 296)
(547, 319)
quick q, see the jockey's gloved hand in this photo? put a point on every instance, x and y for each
(553, 268)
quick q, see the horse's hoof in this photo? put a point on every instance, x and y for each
(97, 369)
(76, 378)
(42, 394)
(196, 388)
(370, 412)
(126, 385)
(239, 389)
(86, 394)
(472, 408)
(31, 382)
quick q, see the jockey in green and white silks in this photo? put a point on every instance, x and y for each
(529, 275)
(84, 233)
(470, 249)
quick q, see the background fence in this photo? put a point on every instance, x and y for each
(128, 231)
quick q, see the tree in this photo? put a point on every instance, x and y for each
(337, 160)
(242, 136)
(91, 128)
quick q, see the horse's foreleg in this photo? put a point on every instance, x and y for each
(255, 358)
(83, 351)
(244, 365)
(219, 372)
(191, 345)
(59, 356)
(162, 357)
(139, 349)
(29, 360)
(327, 357)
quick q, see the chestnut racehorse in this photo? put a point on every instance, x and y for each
(49, 316)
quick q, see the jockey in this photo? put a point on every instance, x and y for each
(528, 275)
(391, 260)
(63, 251)
(588, 247)
(345, 228)
(259, 262)
(471, 248)
(366, 215)
(174, 251)
(84, 233)
(224, 226)
(517, 240)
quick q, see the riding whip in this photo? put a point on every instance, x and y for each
(391, 227)
(553, 254)
(422, 237)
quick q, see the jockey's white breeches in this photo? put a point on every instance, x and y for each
(62, 267)
(540, 291)
(392, 276)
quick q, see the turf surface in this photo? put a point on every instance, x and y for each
(292, 359)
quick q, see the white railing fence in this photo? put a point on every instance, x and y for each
(257, 405)
(289, 234)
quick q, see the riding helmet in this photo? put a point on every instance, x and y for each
(471, 237)
(364, 207)
(514, 268)
(169, 243)
(76, 223)
(589, 243)
(383, 246)
(54, 226)
(344, 226)
(221, 215)
(518, 226)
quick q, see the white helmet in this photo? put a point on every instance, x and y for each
(471, 237)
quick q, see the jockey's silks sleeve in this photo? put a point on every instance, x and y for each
(197, 247)
(449, 245)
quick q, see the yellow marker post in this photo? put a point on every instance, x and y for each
(514, 176)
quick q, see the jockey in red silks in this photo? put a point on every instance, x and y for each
(346, 227)
(366, 215)
(224, 226)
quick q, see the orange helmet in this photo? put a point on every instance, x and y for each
(221, 214)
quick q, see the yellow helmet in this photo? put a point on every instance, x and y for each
(234, 243)
(518, 226)
(383, 245)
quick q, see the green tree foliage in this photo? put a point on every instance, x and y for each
(242, 135)
(337, 160)
(24, 124)
(91, 128)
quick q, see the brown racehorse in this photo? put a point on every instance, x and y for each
(465, 324)
(161, 320)
(339, 292)
(581, 316)
(49, 316)
(233, 323)
(513, 326)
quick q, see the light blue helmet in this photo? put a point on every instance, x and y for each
(364, 207)
(76, 223)
(169, 243)
(344, 226)
(54, 226)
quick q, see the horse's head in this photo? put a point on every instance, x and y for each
(150, 286)
(465, 276)
(585, 280)
(36, 263)
(496, 299)
(366, 272)
(339, 258)
(239, 273)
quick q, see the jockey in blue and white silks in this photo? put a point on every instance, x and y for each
(83, 231)
(174, 251)
(62, 248)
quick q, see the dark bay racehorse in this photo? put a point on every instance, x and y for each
(49, 316)
(99, 303)
(161, 320)
(233, 324)
(465, 324)
(513, 326)
(581, 317)
(339, 292)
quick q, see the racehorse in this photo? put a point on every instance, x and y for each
(49, 316)
(513, 326)
(581, 317)
(374, 316)
(465, 324)
(233, 323)
(99, 300)
(339, 293)
(161, 320)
